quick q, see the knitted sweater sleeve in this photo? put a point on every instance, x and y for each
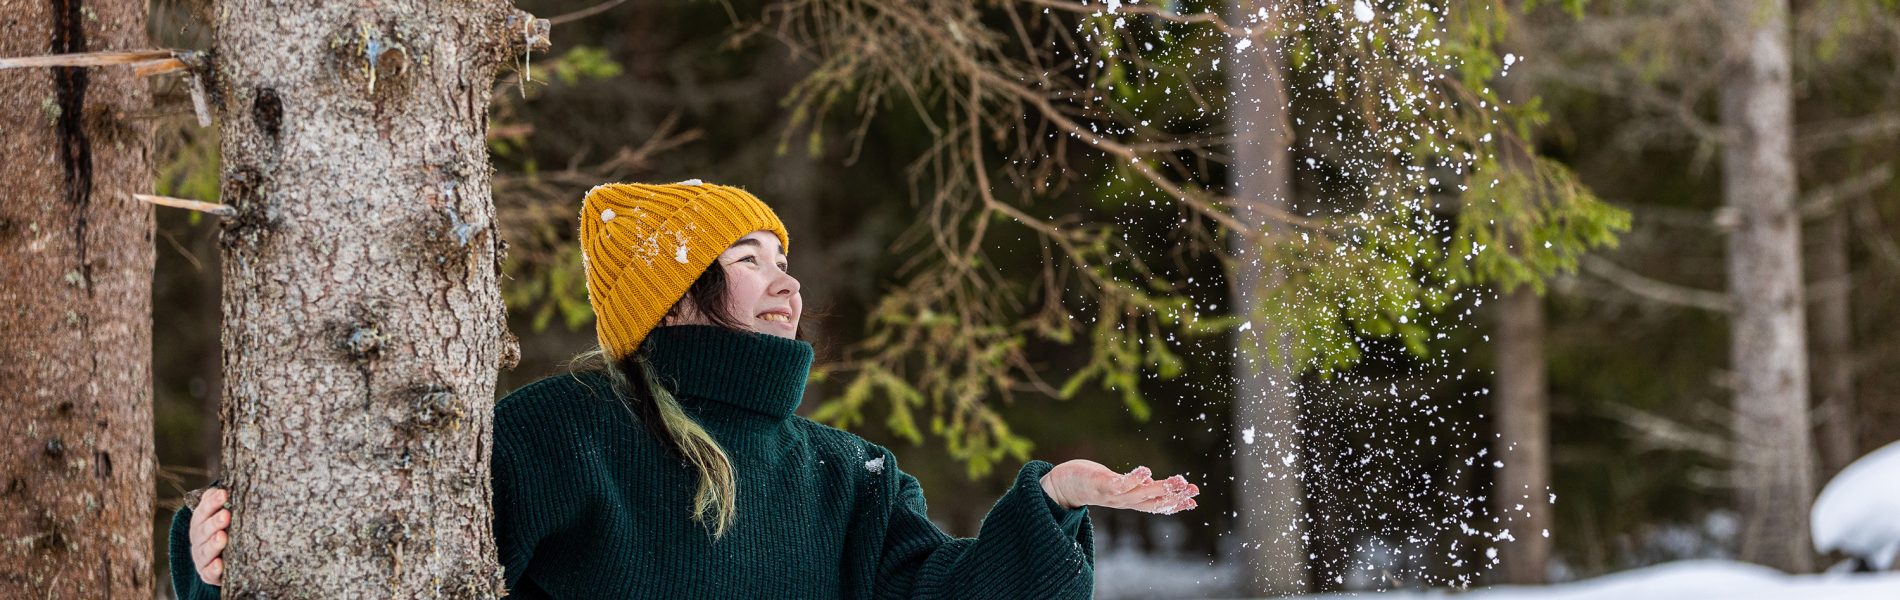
(185, 582)
(1028, 546)
(536, 495)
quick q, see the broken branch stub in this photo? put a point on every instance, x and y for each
(525, 33)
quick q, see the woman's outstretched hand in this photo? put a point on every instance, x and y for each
(1080, 483)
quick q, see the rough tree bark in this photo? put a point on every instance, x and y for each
(1268, 496)
(75, 309)
(1839, 425)
(363, 326)
(1772, 463)
(1522, 414)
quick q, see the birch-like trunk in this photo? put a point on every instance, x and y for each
(75, 308)
(363, 326)
(1773, 470)
(1269, 498)
(1835, 406)
(1523, 416)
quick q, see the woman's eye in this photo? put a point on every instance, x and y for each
(748, 259)
(785, 267)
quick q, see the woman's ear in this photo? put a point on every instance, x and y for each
(682, 313)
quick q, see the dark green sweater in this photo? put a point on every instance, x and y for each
(588, 505)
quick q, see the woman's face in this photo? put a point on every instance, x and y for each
(759, 291)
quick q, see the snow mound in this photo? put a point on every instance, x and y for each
(1858, 512)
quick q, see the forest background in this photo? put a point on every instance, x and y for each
(1633, 319)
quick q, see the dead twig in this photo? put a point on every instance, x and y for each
(585, 12)
(222, 211)
(88, 59)
(1652, 289)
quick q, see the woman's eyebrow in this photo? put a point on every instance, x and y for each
(753, 243)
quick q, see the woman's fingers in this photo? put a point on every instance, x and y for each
(214, 522)
(213, 573)
(209, 550)
(1166, 496)
(212, 498)
(209, 520)
(1122, 484)
(210, 505)
(1166, 505)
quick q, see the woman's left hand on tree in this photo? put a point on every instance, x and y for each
(1087, 483)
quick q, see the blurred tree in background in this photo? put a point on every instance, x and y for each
(76, 287)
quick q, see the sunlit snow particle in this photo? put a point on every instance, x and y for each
(875, 465)
(1362, 11)
(1510, 59)
(1246, 435)
(606, 215)
(693, 181)
(680, 254)
(1244, 44)
(1246, 326)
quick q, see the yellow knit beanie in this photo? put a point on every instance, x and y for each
(643, 245)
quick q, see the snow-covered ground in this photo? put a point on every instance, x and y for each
(1121, 575)
(1687, 580)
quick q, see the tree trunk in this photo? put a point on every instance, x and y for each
(75, 288)
(1834, 348)
(363, 325)
(1269, 496)
(1522, 416)
(1773, 468)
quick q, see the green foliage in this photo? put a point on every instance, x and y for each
(1573, 7)
(557, 289)
(541, 274)
(193, 171)
(1416, 204)
(1505, 237)
(583, 63)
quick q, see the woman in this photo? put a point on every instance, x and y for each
(672, 464)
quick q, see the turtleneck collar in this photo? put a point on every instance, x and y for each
(760, 373)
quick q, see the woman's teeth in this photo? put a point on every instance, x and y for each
(776, 317)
